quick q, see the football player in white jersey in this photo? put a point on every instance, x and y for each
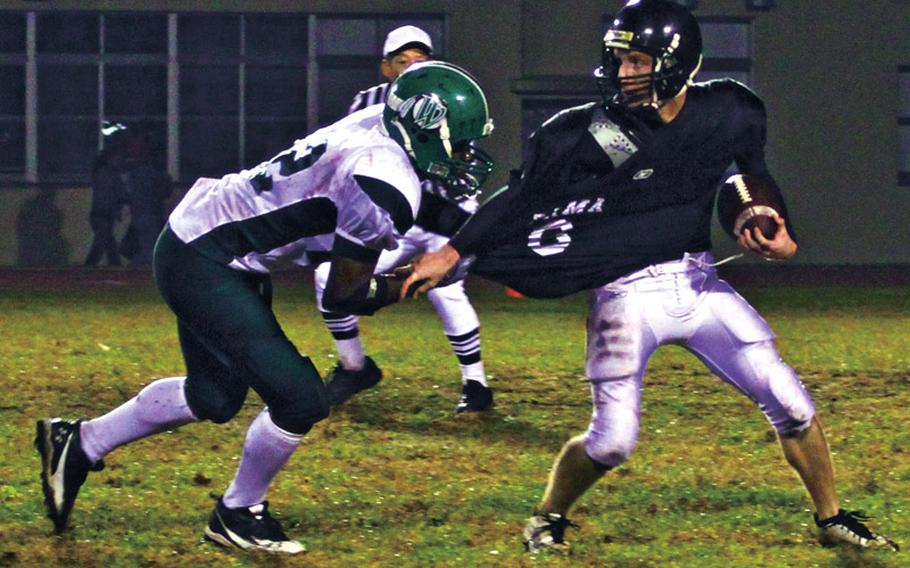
(443, 208)
(348, 190)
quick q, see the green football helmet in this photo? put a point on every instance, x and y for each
(435, 110)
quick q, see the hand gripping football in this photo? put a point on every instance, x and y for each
(745, 202)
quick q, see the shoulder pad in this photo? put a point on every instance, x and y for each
(566, 114)
(726, 87)
(567, 118)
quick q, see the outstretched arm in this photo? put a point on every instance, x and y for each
(433, 267)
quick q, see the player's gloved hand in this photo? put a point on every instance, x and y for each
(429, 270)
(781, 247)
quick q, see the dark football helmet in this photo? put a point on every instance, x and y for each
(668, 33)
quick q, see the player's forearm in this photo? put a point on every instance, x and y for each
(365, 300)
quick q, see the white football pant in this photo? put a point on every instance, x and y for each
(684, 303)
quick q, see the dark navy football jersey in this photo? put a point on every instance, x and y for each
(603, 193)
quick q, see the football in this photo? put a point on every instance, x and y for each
(745, 202)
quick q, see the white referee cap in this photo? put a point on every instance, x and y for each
(406, 35)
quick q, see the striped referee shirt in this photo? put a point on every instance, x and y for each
(372, 96)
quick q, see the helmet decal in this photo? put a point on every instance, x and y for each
(427, 110)
(619, 38)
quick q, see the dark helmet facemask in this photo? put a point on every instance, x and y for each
(469, 174)
(631, 92)
(461, 176)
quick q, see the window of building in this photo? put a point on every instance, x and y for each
(216, 91)
(89, 68)
(903, 121)
(12, 93)
(275, 83)
(727, 49)
(209, 89)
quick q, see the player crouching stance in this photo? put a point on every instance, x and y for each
(637, 176)
(349, 190)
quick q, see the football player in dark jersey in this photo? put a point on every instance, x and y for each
(617, 198)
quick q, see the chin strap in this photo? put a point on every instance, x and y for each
(704, 264)
(730, 258)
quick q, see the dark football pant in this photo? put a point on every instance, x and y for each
(231, 340)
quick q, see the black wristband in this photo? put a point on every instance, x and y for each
(375, 296)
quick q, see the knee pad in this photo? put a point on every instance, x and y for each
(613, 431)
(298, 411)
(210, 400)
(608, 452)
(785, 402)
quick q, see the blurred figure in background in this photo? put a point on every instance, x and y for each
(108, 195)
(38, 232)
(147, 188)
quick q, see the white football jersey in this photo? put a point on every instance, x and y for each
(280, 212)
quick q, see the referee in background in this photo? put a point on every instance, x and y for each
(442, 212)
(403, 46)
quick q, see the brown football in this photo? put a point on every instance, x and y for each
(745, 202)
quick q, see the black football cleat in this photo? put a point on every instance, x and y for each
(64, 467)
(344, 384)
(475, 397)
(249, 528)
(547, 531)
(848, 527)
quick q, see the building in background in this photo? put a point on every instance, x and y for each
(225, 89)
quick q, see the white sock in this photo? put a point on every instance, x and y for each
(265, 451)
(350, 353)
(158, 407)
(473, 372)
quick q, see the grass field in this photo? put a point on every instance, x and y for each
(395, 479)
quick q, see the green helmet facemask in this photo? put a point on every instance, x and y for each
(434, 111)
